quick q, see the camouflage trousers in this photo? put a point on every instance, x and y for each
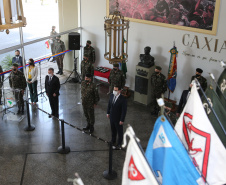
(154, 105)
(52, 50)
(60, 63)
(89, 114)
(20, 100)
(0, 91)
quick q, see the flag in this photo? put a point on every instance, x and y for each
(172, 72)
(220, 111)
(222, 84)
(123, 64)
(136, 170)
(201, 140)
(47, 44)
(168, 157)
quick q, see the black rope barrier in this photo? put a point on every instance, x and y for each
(63, 149)
(29, 127)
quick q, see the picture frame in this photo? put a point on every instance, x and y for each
(181, 15)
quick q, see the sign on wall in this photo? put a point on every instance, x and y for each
(190, 15)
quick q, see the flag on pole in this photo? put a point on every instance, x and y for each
(172, 72)
(220, 111)
(168, 157)
(136, 170)
(201, 140)
(123, 64)
(222, 84)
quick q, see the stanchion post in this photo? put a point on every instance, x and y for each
(110, 174)
(63, 149)
(29, 127)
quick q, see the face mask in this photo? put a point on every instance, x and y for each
(87, 45)
(115, 93)
(115, 69)
(14, 69)
(50, 75)
(17, 55)
(29, 64)
(87, 81)
(197, 75)
(156, 72)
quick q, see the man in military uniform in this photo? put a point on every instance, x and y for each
(158, 87)
(86, 67)
(201, 79)
(53, 40)
(90, 97)
(90, 52)
(17, 81)
(1, 84)
(116, 78)
(59, 47)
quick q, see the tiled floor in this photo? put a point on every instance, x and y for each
(31, 158)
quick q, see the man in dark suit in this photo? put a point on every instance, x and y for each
(116, 112)
(18, 60)
(52, 86)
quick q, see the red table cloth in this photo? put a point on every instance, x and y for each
(103, 75)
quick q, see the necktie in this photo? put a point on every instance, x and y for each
(113, 102)
(50, 78)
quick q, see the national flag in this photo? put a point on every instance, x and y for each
(47, 44)
(222, 84)
(136, 170)
(123, 64)
(172, 72)
(168, 157)
(201, 140)
(220, 111)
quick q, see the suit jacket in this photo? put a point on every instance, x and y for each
(183, 101)
(117, 110)
(53, 86)
(19, 62)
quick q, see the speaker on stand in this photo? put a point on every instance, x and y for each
(74, 44)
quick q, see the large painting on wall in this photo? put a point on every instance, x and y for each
(191, 15)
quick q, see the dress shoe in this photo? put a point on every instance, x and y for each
(22, 112)
(86, 128)
(91, 130)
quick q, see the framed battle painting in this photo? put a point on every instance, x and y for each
(190, 15)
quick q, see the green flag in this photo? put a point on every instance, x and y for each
(220, 111)
(222, 84)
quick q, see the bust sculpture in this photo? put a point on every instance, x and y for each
(146, 60)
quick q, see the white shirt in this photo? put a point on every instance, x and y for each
(34, 73)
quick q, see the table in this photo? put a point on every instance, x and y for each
(102, 76)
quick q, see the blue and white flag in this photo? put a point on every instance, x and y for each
(168, 157)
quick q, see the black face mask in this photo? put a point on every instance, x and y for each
(197, 75)
(30, 64)
(115, 69)
(14, 69)
(157, 72)
(17, 55)
(87, 81)
(87, 45)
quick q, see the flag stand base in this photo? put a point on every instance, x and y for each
(110, 176)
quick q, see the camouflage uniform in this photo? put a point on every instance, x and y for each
(1, 83)
(90, 97)
(53, 42)
(18, 81)
(158, 87)
(59, 47)
(86, 67)
(202, 82)
(90, 52)
(116, 79)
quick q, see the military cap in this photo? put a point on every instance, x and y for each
(158, 67)
(199, 70)
(88, 75)
(88, 41)
(115, 65)
(15, 65)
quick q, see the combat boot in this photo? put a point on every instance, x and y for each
(61, 71)
(86, 128)
(58, 71)
(91, 130)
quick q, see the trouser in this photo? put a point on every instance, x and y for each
(89, 114)
(116, 128)
(54, 104)
(59, 60)
(33, 91)
(0, 91)
(154, 105)
(52, 50)
(19, 99)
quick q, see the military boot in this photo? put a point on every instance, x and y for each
(61, 71)
(22, 112)
(86, 128)
(91, 130)
(58, 71)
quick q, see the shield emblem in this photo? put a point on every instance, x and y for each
(198, 143)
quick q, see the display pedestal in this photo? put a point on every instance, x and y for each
(142, 92)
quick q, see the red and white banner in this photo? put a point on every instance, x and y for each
(136, 170)
(201, 140)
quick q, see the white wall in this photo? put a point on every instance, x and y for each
(161, 40)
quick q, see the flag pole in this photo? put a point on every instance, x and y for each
(218, 120)
(213, 79)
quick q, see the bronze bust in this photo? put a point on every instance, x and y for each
(146, 60)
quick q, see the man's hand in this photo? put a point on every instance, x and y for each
(108, 116)
(120, 123)
(54, 94)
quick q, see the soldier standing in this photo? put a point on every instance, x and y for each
(59, 47)
(159, 87)
(116, 78)
(90, 97)
(18, 81)
(90, 52)
(201, 79)
(53, 40)
(1, 84)
(86, 67)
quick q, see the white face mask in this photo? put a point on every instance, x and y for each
(50, 75)
(115, 93)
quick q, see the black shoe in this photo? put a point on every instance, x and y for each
(22, 112)
(86, 128)
(18, 112)
(50, 116)
(58, 72)
(91, 130)
(61, 72)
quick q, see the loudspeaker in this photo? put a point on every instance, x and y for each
(74, 41)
